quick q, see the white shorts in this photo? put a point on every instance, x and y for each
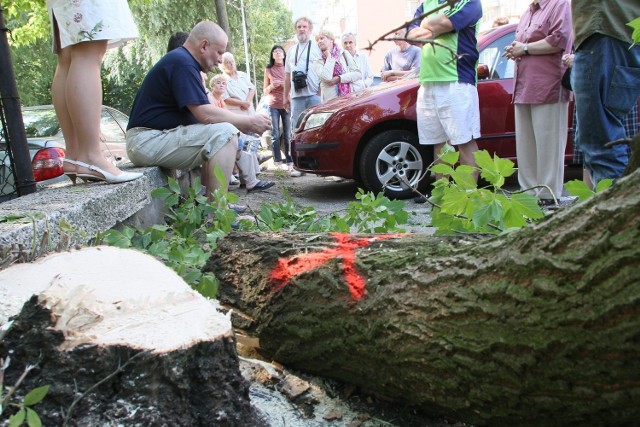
(448, 111)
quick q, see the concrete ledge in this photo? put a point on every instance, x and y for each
(88, 208)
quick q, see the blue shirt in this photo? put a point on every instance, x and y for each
(436, 64)
(172, 84)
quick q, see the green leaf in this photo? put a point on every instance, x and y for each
(487, 212)
(635, 36)
(117, 239)
(495, 169)
(512, 218)
(483, 160)
(36, 395)
(161, 193)
(604, 184)
(506, 167)
(173, 185)
(442, 169)
(208, 286)
(455, 202)
(526, 205)
(33, 420)
(450, 157)
(18, 418)
(222, 179)
(266, 214)
(579, 189)
(463, 177)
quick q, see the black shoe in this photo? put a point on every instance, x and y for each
(261, 185)
(239, 209)
(547, 203)
(420, 199)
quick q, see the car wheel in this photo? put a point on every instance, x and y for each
(393, 161)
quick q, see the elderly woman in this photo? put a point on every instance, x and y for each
(337, 69)
(541, 103)
(245, 162)
(240, 90)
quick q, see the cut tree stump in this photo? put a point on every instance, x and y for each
(537, 327)
(121, 340)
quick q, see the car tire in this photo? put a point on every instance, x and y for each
(395, 162)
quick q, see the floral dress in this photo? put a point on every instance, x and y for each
(86, 20)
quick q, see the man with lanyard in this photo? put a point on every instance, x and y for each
(298, 59)
(447, 107)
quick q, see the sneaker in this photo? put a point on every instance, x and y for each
(334, 178)
(234, 181)
(295, 173)
(284, 167)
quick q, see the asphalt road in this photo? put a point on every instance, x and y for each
(325, 195)
(328, 196)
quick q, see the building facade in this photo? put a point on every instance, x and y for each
(369, 20)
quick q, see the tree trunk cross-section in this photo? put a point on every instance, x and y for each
(537, 327)
(129, 346)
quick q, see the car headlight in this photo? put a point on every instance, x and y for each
(316, 120)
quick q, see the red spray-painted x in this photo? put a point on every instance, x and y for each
(287, 268)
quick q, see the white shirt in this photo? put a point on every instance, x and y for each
(363, 65)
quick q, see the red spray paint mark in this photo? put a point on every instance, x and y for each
(288, 268)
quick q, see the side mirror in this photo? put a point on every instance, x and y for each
(483, 72)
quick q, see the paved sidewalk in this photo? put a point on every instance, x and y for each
(325, 195)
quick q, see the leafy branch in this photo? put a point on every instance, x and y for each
(407, 24)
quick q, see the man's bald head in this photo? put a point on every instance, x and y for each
(207, 42)
(206, 30)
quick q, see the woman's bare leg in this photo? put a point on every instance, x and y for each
(83, 95)
(58, 89)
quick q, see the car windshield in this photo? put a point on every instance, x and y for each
(40, 123)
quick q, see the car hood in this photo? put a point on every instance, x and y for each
(364, 96)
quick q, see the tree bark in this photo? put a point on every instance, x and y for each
(223, 21)
(536, 327)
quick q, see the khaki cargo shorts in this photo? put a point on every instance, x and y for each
(184, 147)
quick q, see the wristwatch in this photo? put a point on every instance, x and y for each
(526, 48)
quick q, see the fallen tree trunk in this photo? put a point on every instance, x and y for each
(537, 327)
(121, 340)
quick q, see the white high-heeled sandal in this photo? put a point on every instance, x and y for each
(106, 176)
(70, 175)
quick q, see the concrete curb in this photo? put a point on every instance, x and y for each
(88, 208)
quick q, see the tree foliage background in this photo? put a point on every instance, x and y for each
(268, 23)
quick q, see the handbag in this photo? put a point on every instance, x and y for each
(566, 79)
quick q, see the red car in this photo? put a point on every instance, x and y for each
(372, 137)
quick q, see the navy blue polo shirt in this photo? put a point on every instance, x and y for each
(172, 84)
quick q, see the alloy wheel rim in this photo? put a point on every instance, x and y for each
(399, 166)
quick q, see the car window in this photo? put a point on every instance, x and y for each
(40, 123)
(111, 129)
(491, 56)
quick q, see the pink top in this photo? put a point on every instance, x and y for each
(537, 78)
(276, 74)
(219, 102)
